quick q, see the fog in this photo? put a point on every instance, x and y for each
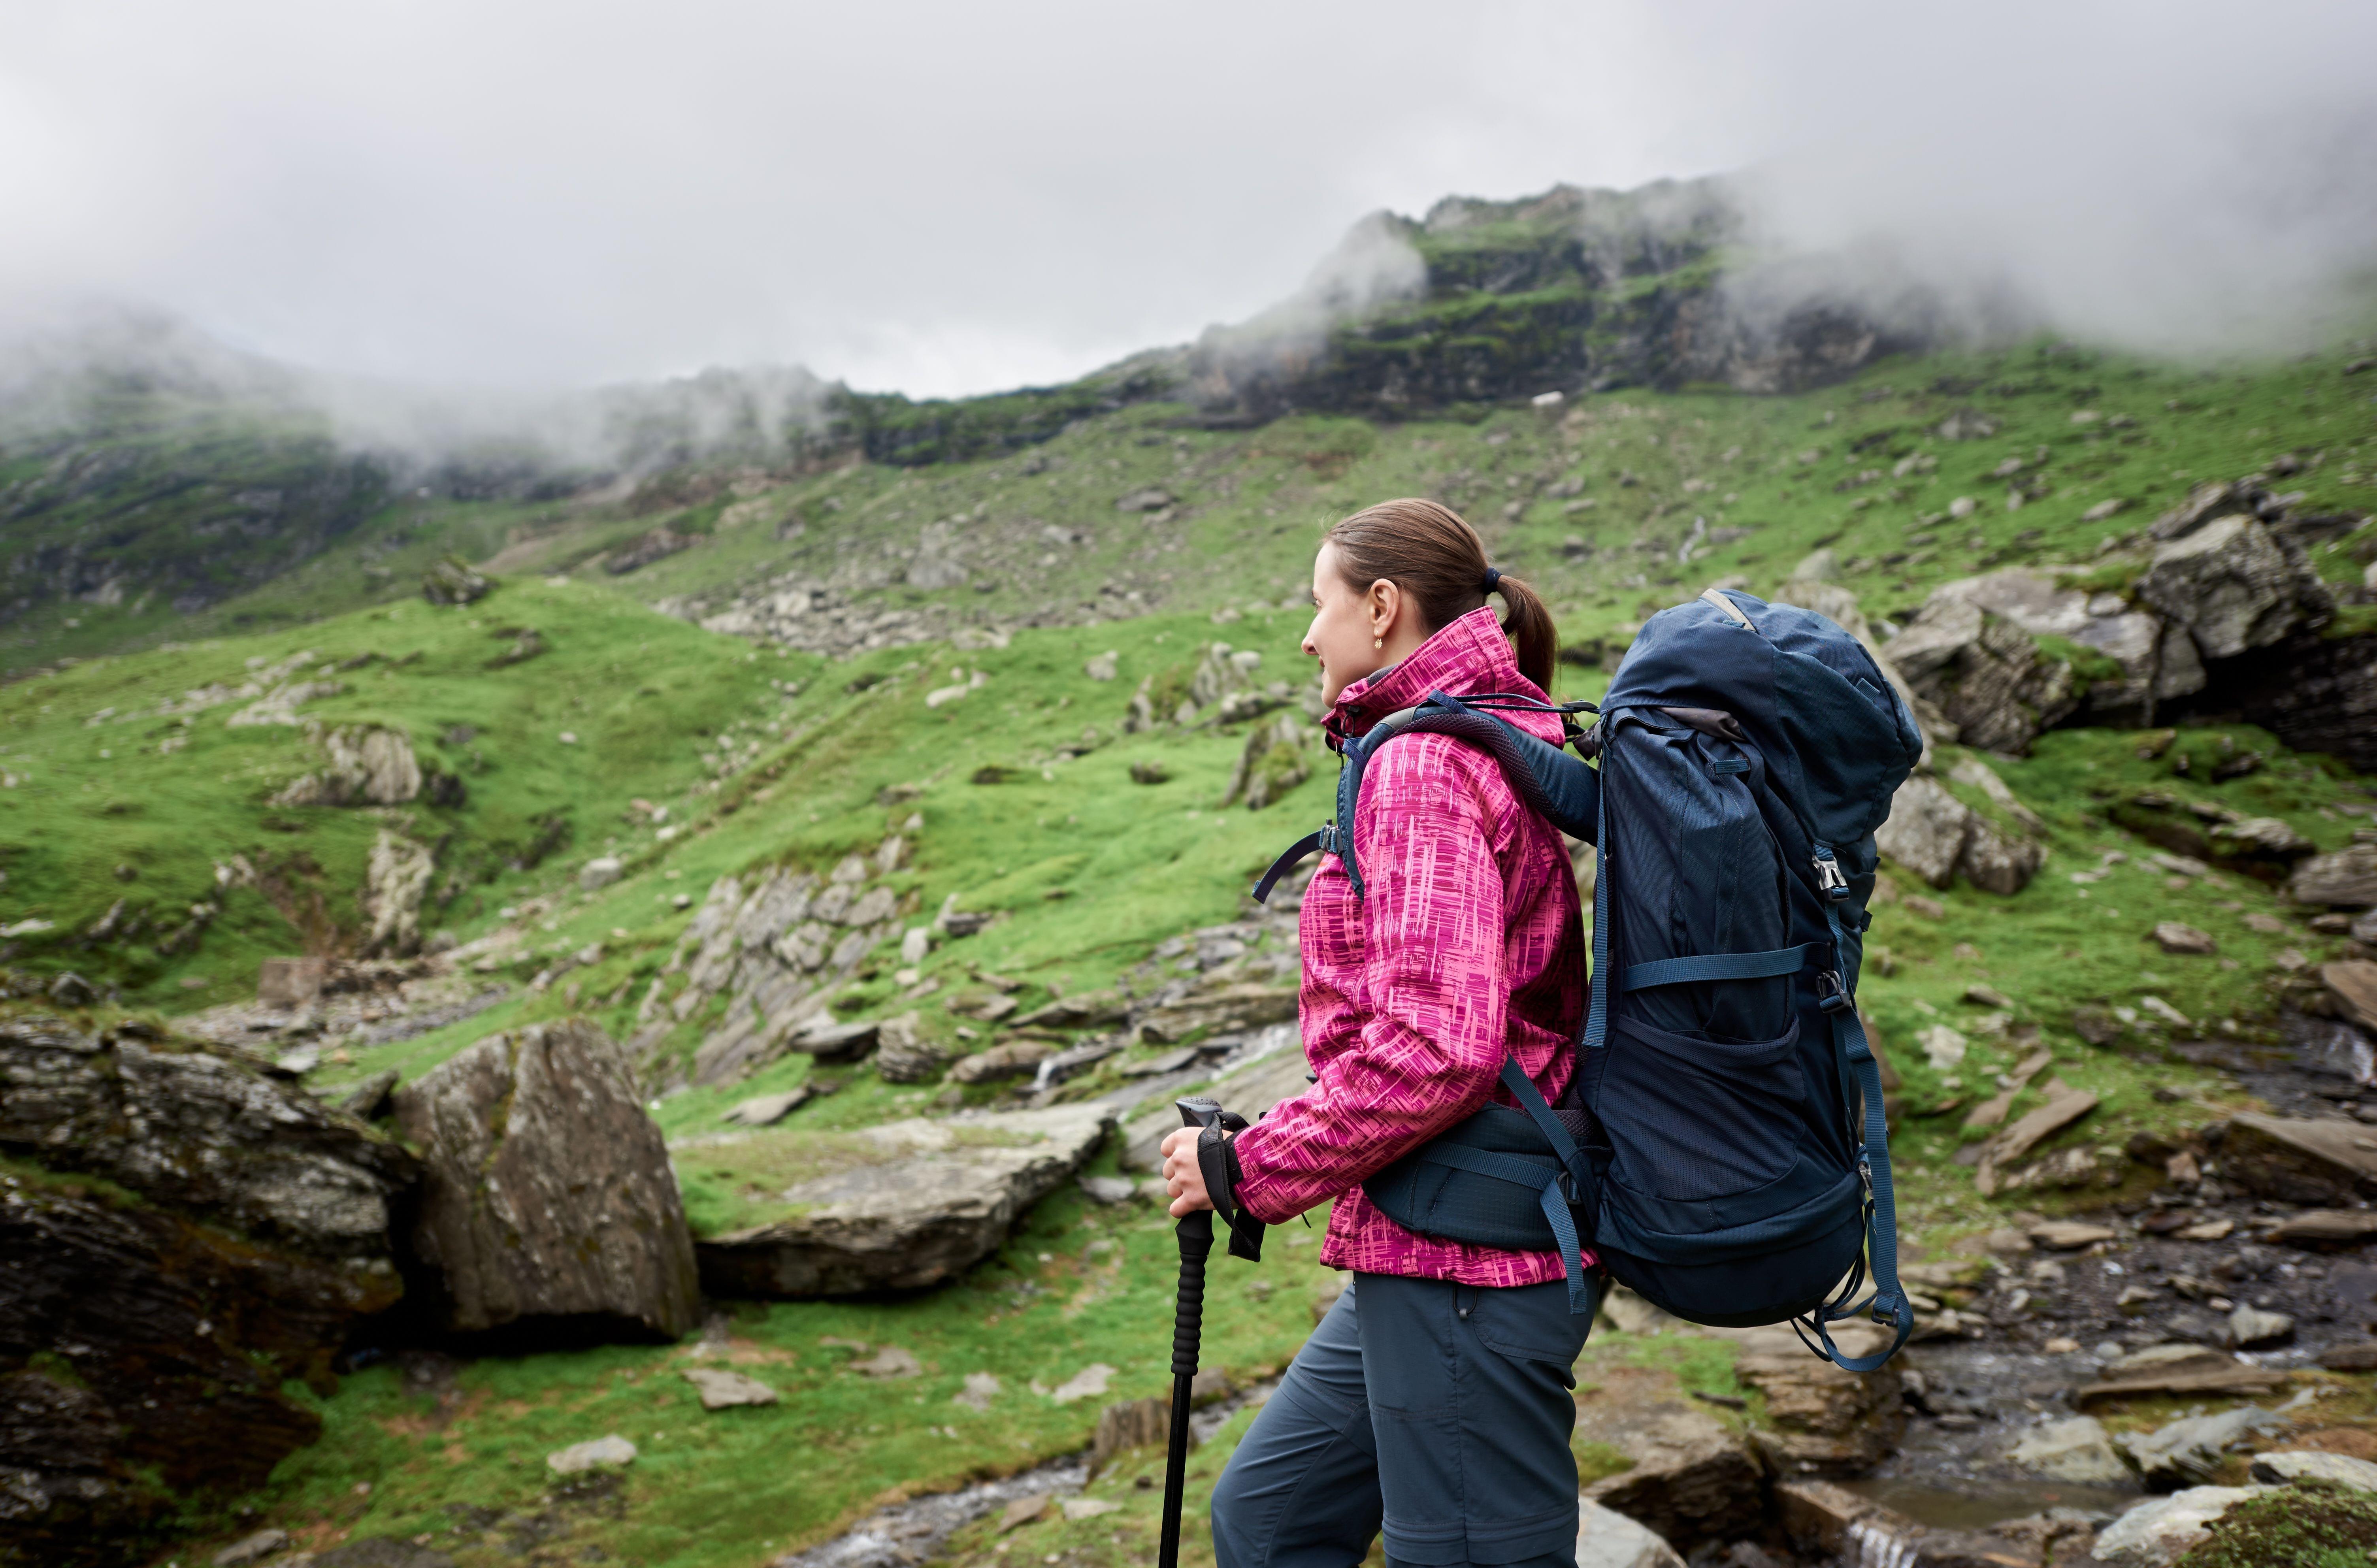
(514, 197)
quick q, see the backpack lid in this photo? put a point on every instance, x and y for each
(1837, 740)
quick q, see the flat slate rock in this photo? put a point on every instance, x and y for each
(723, 1390)
(901, 1206)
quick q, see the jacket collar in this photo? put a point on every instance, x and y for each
(1468, 657)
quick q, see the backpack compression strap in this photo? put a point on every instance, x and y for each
(1557, 787)
(1854, 1056)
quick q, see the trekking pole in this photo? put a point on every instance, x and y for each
(1196, 1232)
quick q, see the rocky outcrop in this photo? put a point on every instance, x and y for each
(395, 881)
(2346, 880)
(901, 1206)
(548, 1192)
(367, 766)
(1276, 758)
(2327, 1161)
(198, 1130)
(452, 580)
(1689, 1477)
(2234, 586)
(1983, 672)
(1935, 835)
(149, 1321)
(772, 943)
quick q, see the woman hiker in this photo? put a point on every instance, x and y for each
(1434, 1398)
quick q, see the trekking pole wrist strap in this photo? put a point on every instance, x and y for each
(1217, 1162)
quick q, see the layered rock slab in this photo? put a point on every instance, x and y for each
(902, 1206)
(548, 1191)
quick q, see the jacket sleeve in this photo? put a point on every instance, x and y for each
(1429, 984)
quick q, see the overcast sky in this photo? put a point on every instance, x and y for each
(950, 198)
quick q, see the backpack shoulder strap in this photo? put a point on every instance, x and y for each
(1559, 788)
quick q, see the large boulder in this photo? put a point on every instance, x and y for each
(1935, 835)
(2234, 586)
(149, 1323)
(894, 1207)
(1983, 671)
(2326, 1161)
(548, 1191)
(2346, 880)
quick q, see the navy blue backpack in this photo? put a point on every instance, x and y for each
(1722, 1144)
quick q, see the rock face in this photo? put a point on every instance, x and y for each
(548, 1191)
(366, 766)
(1691, 1481)
(2234, 586)
(1982, 671)
(146, 1327)
(1935, 835)
(901, 1206)
(773, 943)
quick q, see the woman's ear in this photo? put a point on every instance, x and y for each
(1386, 602)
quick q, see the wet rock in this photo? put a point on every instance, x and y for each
(2186, 1452)
(2346, 880)
(2336, 1469)
(1217, 1008)
(453, 581)
(766, 1110)
(2157, 1534)
(906, 1054)
(829, 1041)
(1826, 1421)
(2250, 1328)
(2326, 1227)
(2326, 1161)
(723, 1390)
(1692, 1479)
(251, 1548)
(608, 1452)
(1983, 672)
(1935, 835)
(1606, 1538)
(2234, 586)
(2065, 1107)
(2176, 1369)
(548, 1191)
(903, 1205)
(366, 766)
(2075, 1450)
(1017, 1059)
(2171, 936)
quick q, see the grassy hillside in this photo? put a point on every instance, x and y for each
(1012, 573)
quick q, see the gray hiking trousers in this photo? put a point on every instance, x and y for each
(1439, 1412)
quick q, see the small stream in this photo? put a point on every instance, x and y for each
(919, 1531)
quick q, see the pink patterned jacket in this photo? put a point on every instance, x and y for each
(1469, 943)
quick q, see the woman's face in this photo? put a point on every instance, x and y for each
(1347, 621)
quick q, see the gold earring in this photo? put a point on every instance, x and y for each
(1378, 643)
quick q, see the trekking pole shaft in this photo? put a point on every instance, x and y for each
(1196, 1232)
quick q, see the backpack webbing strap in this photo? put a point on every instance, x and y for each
(1600, 980)
(1719, 966)
(1854, 1056)
(1320, 838)
(1519, 1173)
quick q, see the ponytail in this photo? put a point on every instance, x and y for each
(1428, 551)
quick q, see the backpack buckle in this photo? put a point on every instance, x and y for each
(1836, 990)
(1829, 879)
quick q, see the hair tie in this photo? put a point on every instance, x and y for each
(1493, 576)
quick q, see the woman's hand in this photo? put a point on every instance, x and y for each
(1183, 1177)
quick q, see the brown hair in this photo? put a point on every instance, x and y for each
(1426, 549)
